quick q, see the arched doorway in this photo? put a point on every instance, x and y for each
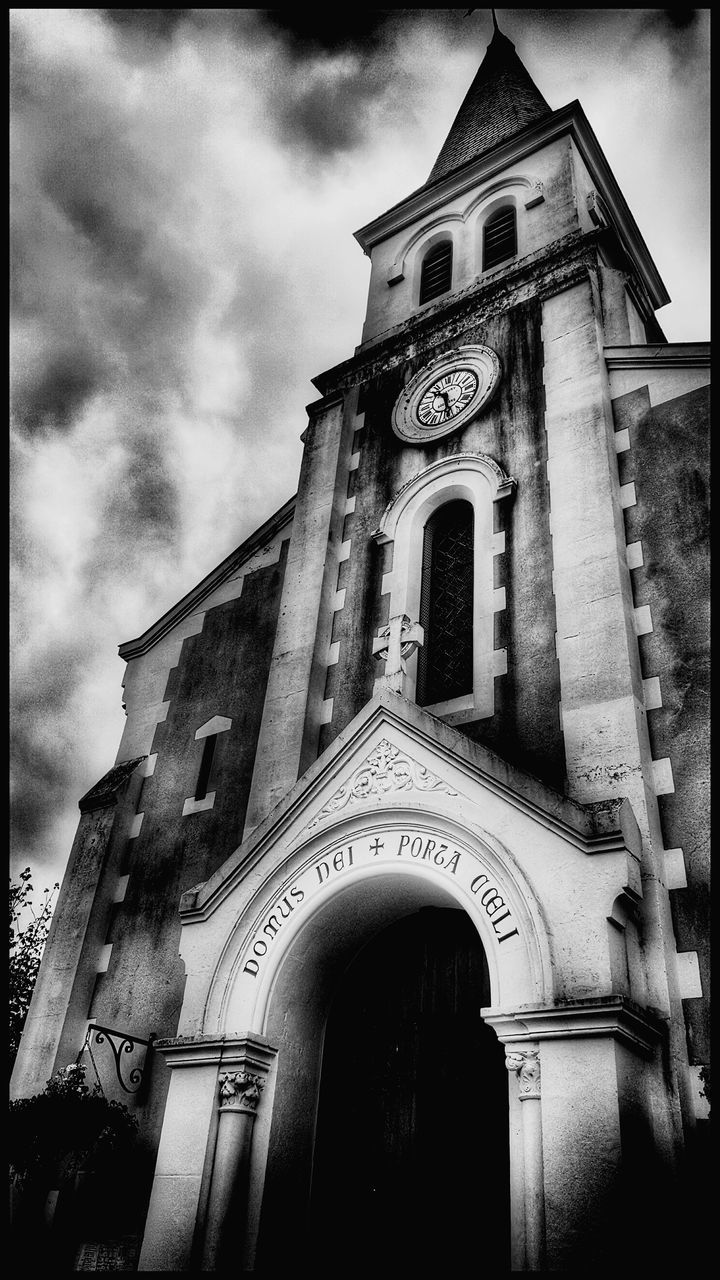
(410, 1171)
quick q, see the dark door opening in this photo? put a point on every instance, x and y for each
(411, 1168)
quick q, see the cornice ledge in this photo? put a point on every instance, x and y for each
(207, 1050)
(566, 120)
(426, 198)
(569, 259)
(658, 355)
(614, 1015)
(106, 792)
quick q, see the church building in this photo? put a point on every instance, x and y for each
(390, 922)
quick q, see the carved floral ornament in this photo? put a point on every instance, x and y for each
(526, 1064)
(387, 769)
(240, 1090)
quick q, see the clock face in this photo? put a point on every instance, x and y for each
(447, 397)
(446, 394)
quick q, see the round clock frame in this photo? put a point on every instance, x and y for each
(446, 394)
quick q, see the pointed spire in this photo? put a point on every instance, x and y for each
(501, 101)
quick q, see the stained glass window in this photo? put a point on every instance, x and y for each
(445, 663)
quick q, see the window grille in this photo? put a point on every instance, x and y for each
(499, 238)
(436, 274)
(445, 662)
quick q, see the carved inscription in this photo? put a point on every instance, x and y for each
(412, 848)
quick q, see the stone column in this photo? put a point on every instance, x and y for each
(599, 1056)
(239, 1094)
(201, 1167)
(525, 1064)
(297, 672)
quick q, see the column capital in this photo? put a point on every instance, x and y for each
(250, 1052)
(613, 1015)
(240, 1091)
(526, 1065)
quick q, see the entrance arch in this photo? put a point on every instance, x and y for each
(359, 925)
(412, 1136)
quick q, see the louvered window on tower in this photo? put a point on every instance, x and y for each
(445, 661)
(499, 238)
(436, 276)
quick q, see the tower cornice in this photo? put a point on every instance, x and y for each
(558, 267)
(569, 121)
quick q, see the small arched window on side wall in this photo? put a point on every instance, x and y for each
(445, 661)
(499, 237)
(436, 271)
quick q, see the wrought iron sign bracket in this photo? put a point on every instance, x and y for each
(121, 1043)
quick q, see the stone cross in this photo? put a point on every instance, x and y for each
(394, 644)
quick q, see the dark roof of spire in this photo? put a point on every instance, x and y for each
(500, 102)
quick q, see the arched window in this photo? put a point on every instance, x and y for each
(436, 275)
(445, 661)
(499, 237)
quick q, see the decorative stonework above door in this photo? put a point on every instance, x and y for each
(387, 769)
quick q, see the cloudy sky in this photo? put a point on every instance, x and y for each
(185, 185)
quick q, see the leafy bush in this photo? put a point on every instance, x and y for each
(66, 1129)
(26, 948)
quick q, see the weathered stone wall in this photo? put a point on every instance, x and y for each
(526, 726)
(222, 671)
(667, 462)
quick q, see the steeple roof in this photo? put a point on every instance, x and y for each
(500, 102)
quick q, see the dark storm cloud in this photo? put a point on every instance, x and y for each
(52, 399)
(143, 505)
(160, 23)
(307, 29)
(40, 747)
(119, 281)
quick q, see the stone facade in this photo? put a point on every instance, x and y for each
(281, 799)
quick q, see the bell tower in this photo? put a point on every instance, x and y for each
(455, 811)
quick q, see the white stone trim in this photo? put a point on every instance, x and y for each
(135, 826)
(701, 1103)
(662, 777)
(652, 696)
(218, 724)
(147, 768)
(354, 462)
(191, 805)
(344, 551)
(104, 958)
(499, 662)
(643, 620)
(337, 603)
(628, 497)
(498, 543)
(622, 440)
(359, 423)
(675, 874)
(333, 655)
(121, 889)
(688, 971)
(480, 481)
(634, 555)
(350, 505)
(326, 711)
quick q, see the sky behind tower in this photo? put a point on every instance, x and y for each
(185, 185)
